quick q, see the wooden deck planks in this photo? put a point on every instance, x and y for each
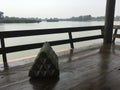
(91, 68)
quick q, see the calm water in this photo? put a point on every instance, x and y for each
(43, 38)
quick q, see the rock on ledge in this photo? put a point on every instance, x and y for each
(46, 64)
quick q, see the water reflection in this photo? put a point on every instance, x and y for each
(101, 82)
(2, 27)
(105, 53)
(70, 55)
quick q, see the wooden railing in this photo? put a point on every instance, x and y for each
(115, 34)
(10, 34)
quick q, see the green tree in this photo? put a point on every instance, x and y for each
(1, 14)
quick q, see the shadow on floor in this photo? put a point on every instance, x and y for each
(47, 84)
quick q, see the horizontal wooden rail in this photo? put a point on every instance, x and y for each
(52, 43)
(8, 34)
(22, 33)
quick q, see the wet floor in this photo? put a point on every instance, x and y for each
(90, 68)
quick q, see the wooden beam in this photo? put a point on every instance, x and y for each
(109, 20)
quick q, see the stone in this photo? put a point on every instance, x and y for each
(45, 64)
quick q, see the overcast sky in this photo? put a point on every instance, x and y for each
(54, 8)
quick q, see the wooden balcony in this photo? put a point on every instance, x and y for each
(25, 33)
(90, 68)
(95, 67)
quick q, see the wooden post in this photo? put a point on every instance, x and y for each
(71, 40)
(109, 19)
(114, 34)
(4, 53)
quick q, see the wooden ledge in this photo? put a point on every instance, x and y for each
(116, 36)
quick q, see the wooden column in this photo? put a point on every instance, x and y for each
(4, 53)
(109, 19)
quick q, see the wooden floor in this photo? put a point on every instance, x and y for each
(90, 68)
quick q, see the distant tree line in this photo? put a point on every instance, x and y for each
(1, 15)
(87, 18)
(100, 18)
(6, 19)
(117, 18)
(80, 18)
(20, 20)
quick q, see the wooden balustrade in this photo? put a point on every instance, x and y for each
(23, 33)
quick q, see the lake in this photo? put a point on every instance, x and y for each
(43, 38)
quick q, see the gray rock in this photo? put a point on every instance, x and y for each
(46, 64)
